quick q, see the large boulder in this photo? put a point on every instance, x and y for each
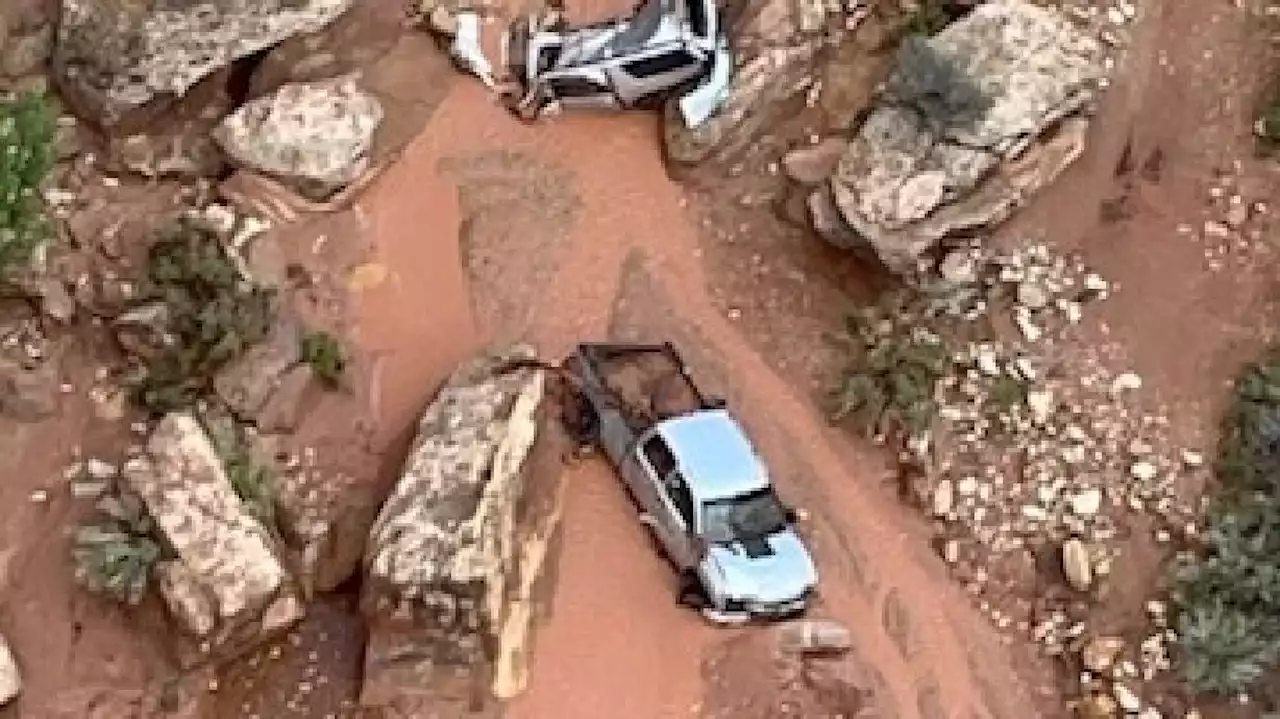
(114, 57)
(972, 121)
(10, 677)
(317, 135)
(451, 562)
(225, 583)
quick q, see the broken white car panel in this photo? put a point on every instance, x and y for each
(664, 49)
(703, 491)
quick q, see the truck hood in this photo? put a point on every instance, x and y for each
(777, 568)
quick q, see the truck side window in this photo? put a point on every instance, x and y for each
(680, 496)
(660, 458)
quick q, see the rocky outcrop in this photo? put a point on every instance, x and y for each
(972, 121)
(10, 678)
(225, 583)
(26, 37)
(112, 58)
(452, 559)
(316, 136)
(776, 43)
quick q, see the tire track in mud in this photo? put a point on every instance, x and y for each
(616, 643)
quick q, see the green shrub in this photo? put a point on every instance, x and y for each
(1228, 596)
(253, 482)
(322, 351)
(115, 553)
(891, 379)
(213, 315)
(26, 156)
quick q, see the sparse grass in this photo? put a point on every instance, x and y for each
(891, 379)
(1267, 126)
(26, 156)
(253, 482)
(928, 19)
(1228, 595)
(214, 316)
(324, 354)
(115, 553)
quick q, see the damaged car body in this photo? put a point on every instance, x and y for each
(664, 49)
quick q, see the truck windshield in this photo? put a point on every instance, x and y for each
(747, 517)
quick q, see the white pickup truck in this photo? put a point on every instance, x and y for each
(702, 488)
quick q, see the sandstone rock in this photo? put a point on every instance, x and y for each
(812, 164)
(1086, 502)
(1076, 565)
(10, 677)
(28, 394)
(973, 120)
(317, 135)
(186, 598)
(1098, 706)
(225, 572)
(246, 384)
(451, 559)
(814, 636)
(1101, 652)
(943, 498)
(113, 58)
(1125, 697)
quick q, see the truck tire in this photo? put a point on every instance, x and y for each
(691, 592)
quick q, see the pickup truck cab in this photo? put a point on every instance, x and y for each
(702, 488)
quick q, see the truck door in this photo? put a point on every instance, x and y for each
(666, 489)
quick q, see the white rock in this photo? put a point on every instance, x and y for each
(99, 469)
(1032, 295)
(1125, 697)
(1087, 502)
(1040, 402)
(943, 498)
(987, 362)
(1125, 381)
(1076, 564)
(10, 677)
(1192, 458)
(1143, 471)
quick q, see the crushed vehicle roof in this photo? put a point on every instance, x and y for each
(716, 458)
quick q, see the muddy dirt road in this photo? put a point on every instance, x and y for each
(567, 228)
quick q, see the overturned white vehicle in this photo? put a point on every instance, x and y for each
(664, 49)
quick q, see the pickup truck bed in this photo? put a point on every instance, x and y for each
(646, 383)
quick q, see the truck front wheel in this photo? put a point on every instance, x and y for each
(691, 592)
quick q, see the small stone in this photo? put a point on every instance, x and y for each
(39, 496)
(1040, 402)
(951, 551)
(1237, 213)
(814, 636)
(1076, 565)
(943, 498)
(1125, 382)
(1192, 458)
(1098, 706)
(1125, 697)
(1143, 471)
(1032, 295)
(812, 164)
(99, 469)
(1087, 502)
(959, 268)
(1101, 652)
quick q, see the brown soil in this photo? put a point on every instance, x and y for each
(489, 230)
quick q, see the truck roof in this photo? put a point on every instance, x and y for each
(716, 458)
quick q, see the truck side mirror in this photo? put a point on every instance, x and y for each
(717, 403)
(791, 515)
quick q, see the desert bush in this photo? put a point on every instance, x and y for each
(890, 380)
(1228, 594)
(115, 552)
(213, 315)
(26, 156)
(324, 354)
(928, 18)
